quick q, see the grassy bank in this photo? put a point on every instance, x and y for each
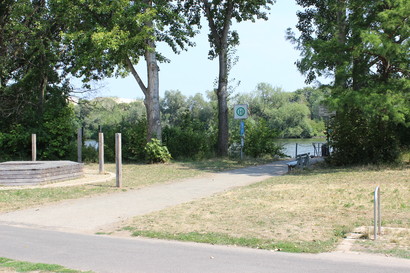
(309, 211)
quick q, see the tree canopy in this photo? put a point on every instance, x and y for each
(364, 47)
(106, 38)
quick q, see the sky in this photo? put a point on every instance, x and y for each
(264, 56)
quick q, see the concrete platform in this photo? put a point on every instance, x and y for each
(20, 173)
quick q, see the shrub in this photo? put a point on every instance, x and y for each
(260, 140)
(156, 153)
(191, 138)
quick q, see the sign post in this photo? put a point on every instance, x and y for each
(326, 114)
(241, 113)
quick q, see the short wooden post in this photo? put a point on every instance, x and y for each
(33, 147)
(118, 160)
(79, 145)
(101, 152)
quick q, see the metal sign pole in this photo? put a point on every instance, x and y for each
(241, 113)
(242, 134)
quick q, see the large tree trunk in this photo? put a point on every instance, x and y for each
(341, 23)
(151, 93)
(152, 96)
(222, 94)
(221, 46)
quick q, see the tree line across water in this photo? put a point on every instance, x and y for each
(362, 46)
(190, 123)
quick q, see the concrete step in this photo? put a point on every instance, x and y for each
(38, 172)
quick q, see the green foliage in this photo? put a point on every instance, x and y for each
(260, 140)
(317, 128)
(364, 46)
(367, 126)
(56, 137)
(33, 96)
(189, 132)
(222, 39)
(102, 35)
(107, 112)
(191, 139)
(54, 128)
(133, 140)
(156, 153)
(15, 143)
(288, 113)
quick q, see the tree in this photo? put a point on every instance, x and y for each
(106, 38)
(188, 125)
(364, 46)
(219, 15)
(173, 105)
(33, 96)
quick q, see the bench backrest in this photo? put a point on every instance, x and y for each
(303, 159)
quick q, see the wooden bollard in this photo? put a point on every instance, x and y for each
(33, 147)
(118, 160)
(101, 152)
(79, 145)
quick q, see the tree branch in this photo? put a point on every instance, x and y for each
(212, 26)
(227, 22)
(136, 76)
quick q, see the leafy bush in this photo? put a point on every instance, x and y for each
(260, 140)
(360, 140)
(371, 124)
(133, 136)
(53, 124)
(15, 144)
(156, 153)
(89, 154)
(191, 138)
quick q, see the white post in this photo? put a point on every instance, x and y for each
(118, 160)
(101, 152)
(33, 147)
(377, 213)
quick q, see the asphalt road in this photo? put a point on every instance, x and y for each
(107, 254)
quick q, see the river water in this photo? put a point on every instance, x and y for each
(303, 146)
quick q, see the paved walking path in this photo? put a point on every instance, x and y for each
(89, 215)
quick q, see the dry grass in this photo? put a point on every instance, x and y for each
(309, 207)
(134, 176)
(392, 241)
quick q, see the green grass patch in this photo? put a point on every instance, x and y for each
(19, 266)
(223, 239)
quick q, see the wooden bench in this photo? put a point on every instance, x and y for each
(301, 161)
